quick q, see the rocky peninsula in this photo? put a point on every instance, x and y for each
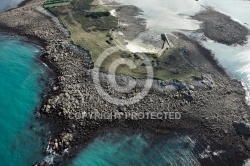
(214, 23)
(212, 106)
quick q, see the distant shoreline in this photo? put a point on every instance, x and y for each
(22, 3)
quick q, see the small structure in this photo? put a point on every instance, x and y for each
(165, 39)
(55, 3)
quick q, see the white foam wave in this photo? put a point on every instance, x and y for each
(247, 162)
(113, 12)
(207, 153)
(49, 159)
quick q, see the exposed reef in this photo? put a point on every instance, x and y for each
(222, 28)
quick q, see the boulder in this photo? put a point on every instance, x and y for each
(242, 128)
(67, 137)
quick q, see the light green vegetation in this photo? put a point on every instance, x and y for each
(91, 27)
(174, 64)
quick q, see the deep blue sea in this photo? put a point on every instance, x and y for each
(21, 135)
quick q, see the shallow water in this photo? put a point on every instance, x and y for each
(21, 143)
(7, 4)
(21, 135)
(162, 15)
(167, 16)
(115, 149)
(239, 10)
(235, 59)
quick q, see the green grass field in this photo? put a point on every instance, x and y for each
(91, 27)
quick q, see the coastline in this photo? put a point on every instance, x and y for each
(25, 136)
(32, 39)
(21, 4)
(93, 129)
(232, 32)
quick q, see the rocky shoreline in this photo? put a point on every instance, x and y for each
(211, 112)
(214, 23)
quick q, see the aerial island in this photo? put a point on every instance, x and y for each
(187, 78)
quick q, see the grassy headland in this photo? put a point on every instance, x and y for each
(210, 115)
(92, 26)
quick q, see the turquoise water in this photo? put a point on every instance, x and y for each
(137, 150)
(21, 135)
(21, 144)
